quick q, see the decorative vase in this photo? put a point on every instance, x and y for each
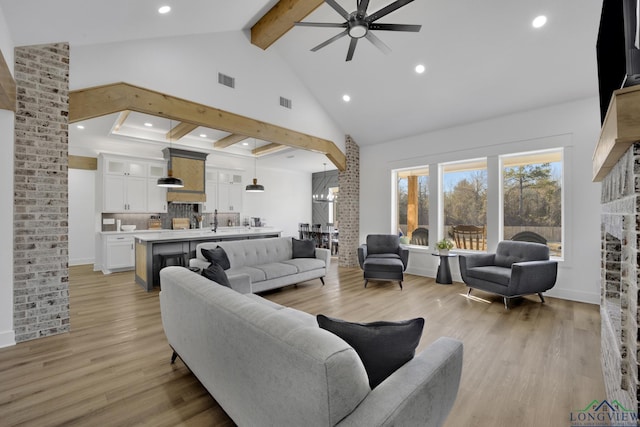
(443, 251)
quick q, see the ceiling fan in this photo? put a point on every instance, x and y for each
(358, 25)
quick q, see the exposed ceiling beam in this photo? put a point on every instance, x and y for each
(275, 23)
(98, 101)
(7, 87)
(182, 129)
(80, 162)
(122, 117)
(269, 148)
(229, 140)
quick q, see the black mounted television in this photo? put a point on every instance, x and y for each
(617, 48)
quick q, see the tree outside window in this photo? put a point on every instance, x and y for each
(464, 194)
(532, 194)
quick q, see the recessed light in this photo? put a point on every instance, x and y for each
(164, 9)
(80, 127)
(245, 143)
(203, 135)
(420, 68)
(346, 98)
(149, 125)
(539, 21)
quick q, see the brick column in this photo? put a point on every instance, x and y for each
(349, 207)
(40, 249)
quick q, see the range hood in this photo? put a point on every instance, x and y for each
(189, 166)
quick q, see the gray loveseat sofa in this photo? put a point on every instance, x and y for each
(262, 264)
(269, 365)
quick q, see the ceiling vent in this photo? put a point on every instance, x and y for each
(225, 80)
(284, 102)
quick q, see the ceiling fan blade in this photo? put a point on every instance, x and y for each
(378, 43)
(352, 48)
(338, 8)
(362, 8)
(395, 27)
(331, 40)
(385, 10)
(321, 24)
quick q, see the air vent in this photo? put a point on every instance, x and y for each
(229, 81)
(284, 102)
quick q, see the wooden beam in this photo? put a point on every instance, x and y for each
(412, 204)
(182, 129)
(7, 87)
(269, 148)
(98, 101)
(621, 128)
(122, 117)
(85, 163)
(275, 23)
(229, 140)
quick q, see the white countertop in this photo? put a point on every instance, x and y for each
(191, 234)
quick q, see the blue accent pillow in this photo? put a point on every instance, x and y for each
(382, 346)
(303, 248)
(216, 273)
(217, 256)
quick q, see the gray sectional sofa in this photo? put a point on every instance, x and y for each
(269, 365)
(262, 264)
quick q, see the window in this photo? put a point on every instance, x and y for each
(532, 198)
(464, 197)
(413, 205)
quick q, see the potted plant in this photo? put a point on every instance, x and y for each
(444, 246)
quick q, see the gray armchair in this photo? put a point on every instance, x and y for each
(516, 269)
(383, 258)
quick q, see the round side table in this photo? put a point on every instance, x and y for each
(444, 271)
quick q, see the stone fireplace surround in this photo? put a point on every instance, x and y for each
(616, 163)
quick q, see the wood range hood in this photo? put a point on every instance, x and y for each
(189, 166)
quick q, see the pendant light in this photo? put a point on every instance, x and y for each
(255, 187)
(170, 181)
(326, 196)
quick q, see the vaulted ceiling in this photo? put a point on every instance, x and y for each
(482, 59)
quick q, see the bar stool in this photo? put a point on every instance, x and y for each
(177, 257)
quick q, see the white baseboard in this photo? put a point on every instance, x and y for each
(7, 339)
(81, 261)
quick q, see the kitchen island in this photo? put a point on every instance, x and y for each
(150, 247)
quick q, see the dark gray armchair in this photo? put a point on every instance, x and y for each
(516, 269)
(383, 258)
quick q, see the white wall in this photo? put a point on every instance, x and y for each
(81, 216)
(7, 336)
(574, 125)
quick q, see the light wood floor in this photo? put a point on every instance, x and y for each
(530, 366)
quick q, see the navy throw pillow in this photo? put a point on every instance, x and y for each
(303, 248)
(217, 256)
(216, 273)
(382, 346)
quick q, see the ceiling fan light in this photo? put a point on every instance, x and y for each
(357, 31)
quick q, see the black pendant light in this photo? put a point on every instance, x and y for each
(255, 187)
(170, 181)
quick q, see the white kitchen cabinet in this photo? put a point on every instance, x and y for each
(126, 167)
(120, 253)
(229, 197)
(123, 193)
(156, 196)
(211, 190)
(230, 192)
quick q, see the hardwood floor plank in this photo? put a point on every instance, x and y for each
(528, 366)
